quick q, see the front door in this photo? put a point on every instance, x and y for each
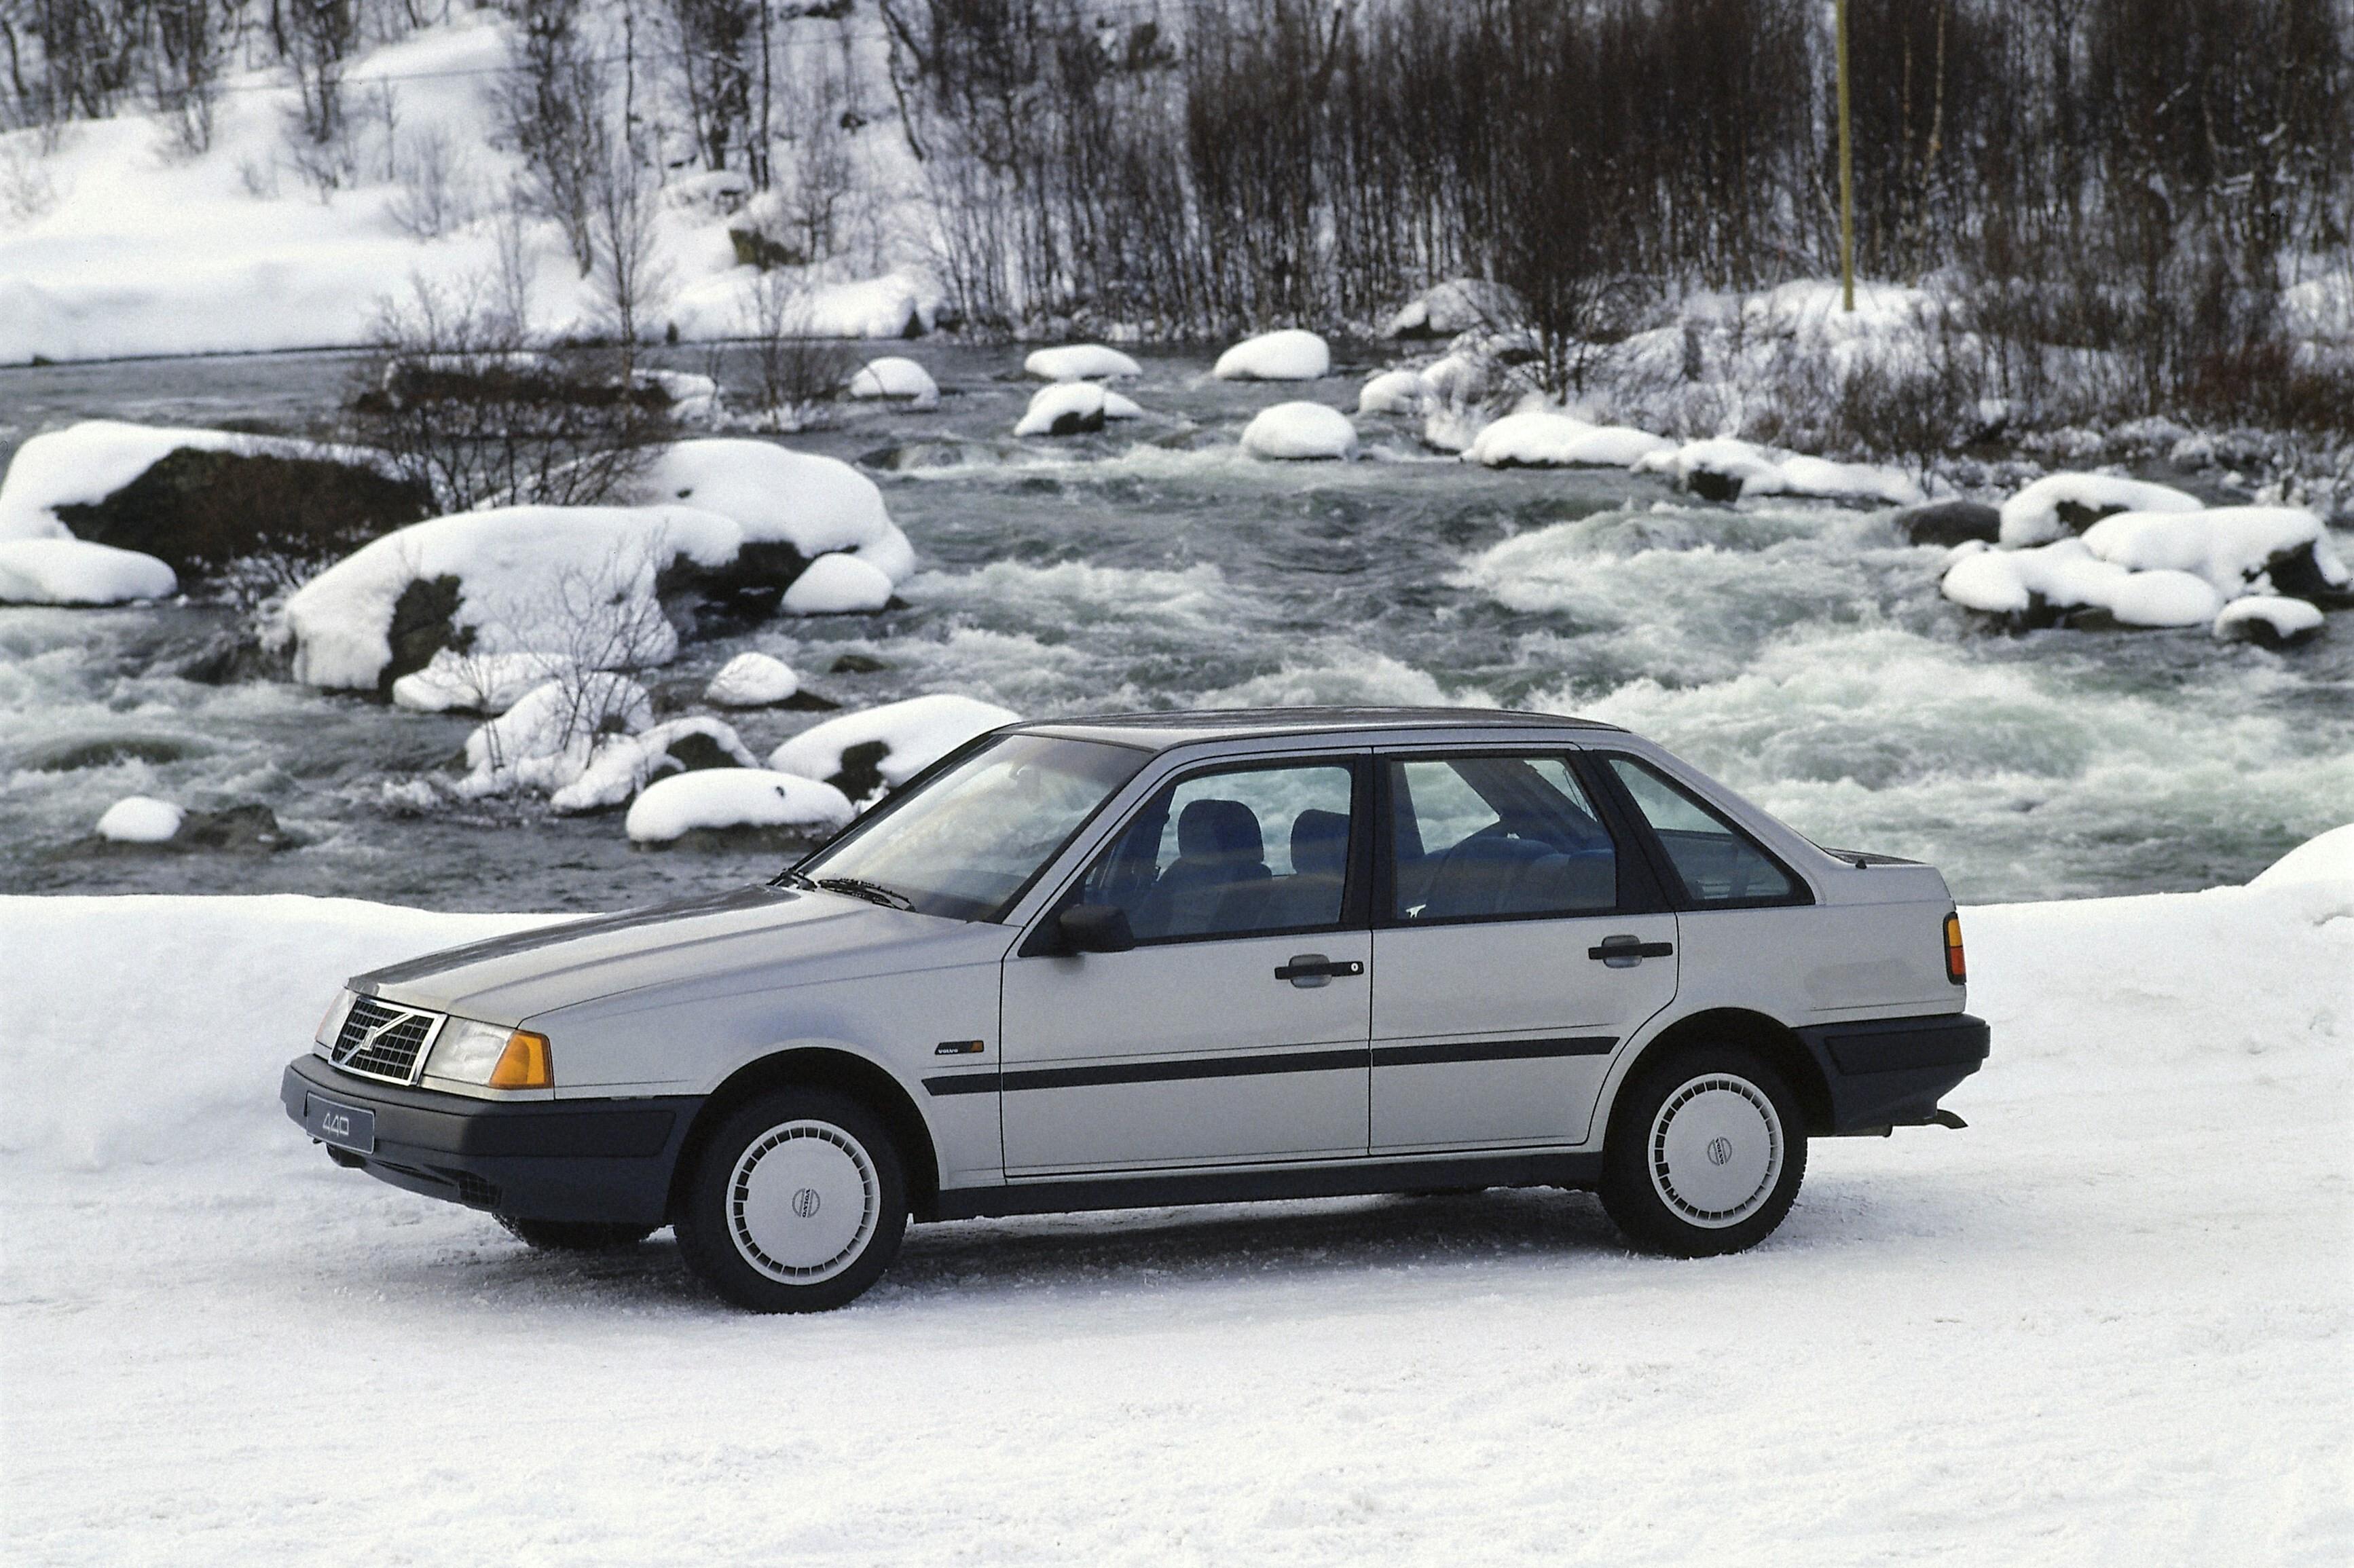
(1515, 947)
(1237, 1029)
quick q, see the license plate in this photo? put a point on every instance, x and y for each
(346, 1127)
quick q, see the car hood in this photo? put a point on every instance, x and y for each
(509, 978)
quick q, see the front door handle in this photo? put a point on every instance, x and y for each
(1625, 952)
(1308, 970)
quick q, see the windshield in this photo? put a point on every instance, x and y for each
(967, 843)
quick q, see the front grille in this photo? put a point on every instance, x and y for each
(380, 1041)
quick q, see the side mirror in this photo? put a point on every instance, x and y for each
(1095, 928)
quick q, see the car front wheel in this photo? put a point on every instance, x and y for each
(796, 1203)
(1705, 1154)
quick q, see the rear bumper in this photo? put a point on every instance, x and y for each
(551, 1159)
(1890, 1072)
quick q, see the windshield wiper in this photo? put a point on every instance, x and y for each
(859, 888)
(789, 877)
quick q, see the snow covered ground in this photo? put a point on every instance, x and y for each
(2107, 1324)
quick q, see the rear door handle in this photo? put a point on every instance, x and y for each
(1625, 952)
(1308, 970)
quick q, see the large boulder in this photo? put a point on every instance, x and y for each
(1949, 523)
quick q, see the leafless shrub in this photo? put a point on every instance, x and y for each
(799, 375)
(437, 195)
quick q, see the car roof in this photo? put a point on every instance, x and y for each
(1162, 729)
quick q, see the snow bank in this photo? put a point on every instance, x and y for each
(720, 797)
(1295, 431)
(1723, 469)
(2268, 619)
(74, 571)
(1542, 439)
(838, 585)
(141, 820)
(2231, 546)
(751, 680)
(621, 763)
(476, 682)
(1074, 409)
(2327, 861)
(899, 380)
(1289, 355)
(913, 734)
(1080, 362)
(1392, 392)
(718, 303)
(2045, 509)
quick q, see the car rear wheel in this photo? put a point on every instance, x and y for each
(574, 1236)
(1706, 1149)
(796, 1202)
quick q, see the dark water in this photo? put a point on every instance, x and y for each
(1799, 651)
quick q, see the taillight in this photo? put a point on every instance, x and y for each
(1956, 969)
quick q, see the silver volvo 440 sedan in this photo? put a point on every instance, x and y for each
(1178, 958)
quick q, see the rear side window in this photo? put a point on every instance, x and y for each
(1495, 838)
(1717, 862)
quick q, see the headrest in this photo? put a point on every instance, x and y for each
(1219, 829)
(1319, 843)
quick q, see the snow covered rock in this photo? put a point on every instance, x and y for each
(84, 463)
(1542, 439)
(859, 753)
(720, 799)
(752, 680)
(2231, 546)
(814, 503)
(1724, 468)
(1289, 355)
(1074, 409)
(620, 765)
(839, 583)
(476, 682)
(1456, 306)
(2062, 503)
(74, 571)
(547, 739)
(1298, 431)
(1392, 392)
(896, 380)
(2038, 586)
(1080, 362)
(1949, 523)
(140, 819)
(2269, 620)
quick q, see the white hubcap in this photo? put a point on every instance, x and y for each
(804, 1201)
(1716, 1151)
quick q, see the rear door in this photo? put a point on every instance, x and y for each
(1236, 1029)
(1517, 940)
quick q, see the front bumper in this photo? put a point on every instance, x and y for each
(546, 1159)
(1890, 1072)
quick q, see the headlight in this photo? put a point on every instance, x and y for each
(493, 1055)
(332, 1024)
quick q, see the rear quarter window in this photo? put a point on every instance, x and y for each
(1719, 866)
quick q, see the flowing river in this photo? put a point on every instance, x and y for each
(1799, 651)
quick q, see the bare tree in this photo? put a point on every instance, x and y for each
(631, 281)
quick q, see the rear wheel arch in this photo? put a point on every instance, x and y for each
(1774, 1041)
(818, 1066)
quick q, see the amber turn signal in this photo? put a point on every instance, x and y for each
(1956, 969)
(525, 1064)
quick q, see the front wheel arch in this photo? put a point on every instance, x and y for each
(818, 1067)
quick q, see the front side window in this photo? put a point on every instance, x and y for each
(1715, 861)
(966, 843)
(1495, 837)
(1231, 855)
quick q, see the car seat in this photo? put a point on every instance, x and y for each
(1219, 848)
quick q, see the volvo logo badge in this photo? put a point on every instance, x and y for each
(1720, 1150)
(805, 1202)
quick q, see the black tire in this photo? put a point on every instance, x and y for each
(1706, 1149)
(574, 1236)
(755, 1223)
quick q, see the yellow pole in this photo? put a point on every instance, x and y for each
(1847, 175)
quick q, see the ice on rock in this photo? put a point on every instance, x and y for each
(896, 741)
(1296, 431)
(1080, 362)
(897, 380)
(620, 765)
(140, 819)
(1073, 409)
(1392, 392)
(476, 682)
(2231, 546)
(2062, 503)
(723, 798)
(75, 571)
(1542, 439)
(2269, 619)
(1292, 355)
(752, 680)
(545, 740)
(838, 585)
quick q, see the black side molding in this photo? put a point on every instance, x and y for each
(1353, 1178)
